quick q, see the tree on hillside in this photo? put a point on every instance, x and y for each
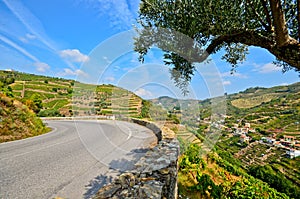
(213, 25)
(34, 103)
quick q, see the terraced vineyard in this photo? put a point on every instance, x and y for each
(61, 97)
(105, 100)
(270, 112)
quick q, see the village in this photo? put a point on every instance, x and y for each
(287, 142)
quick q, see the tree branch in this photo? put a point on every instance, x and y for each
(281, 31)
(249, 38)
(289, 53)
(266, 26)
(268, 17)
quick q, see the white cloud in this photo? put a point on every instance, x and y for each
(268, 68)
(106, 59)
(30, 36)
(143, 92)
(117, 68)
(68, 71)
(74, 55)
(234, 74)
(283, 84)
(41, 67)
(226, 83)
(110, 79)
(27, 37)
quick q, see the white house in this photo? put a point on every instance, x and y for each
(292, 153)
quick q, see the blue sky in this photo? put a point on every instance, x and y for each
(62, 39)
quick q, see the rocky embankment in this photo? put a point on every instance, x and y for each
(154, 176)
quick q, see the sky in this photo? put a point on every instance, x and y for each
(91, 41)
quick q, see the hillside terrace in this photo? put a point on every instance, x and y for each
(289, 143)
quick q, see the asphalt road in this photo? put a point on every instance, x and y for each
(73, 161)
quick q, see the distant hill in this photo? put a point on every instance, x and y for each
(256, 96)
(62, 97)
(249, 98)
(267, 108)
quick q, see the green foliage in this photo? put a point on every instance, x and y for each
(233, 168)
(56, 104)
(174, 118)
(35, 103)
(206, 185)
(18, 121)
(69, 90)
(188, 31)
(49, 113)
(192, 159)
(275, 180)
(7, 79)
(183, 145)
(226, 156)
(145, 112)
(253, 189)
(7, 91)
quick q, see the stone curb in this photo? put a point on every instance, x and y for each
(155, 174)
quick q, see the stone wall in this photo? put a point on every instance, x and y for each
(155, 174)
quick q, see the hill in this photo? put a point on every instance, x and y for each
(258, 106)
(51, 96)
(243, 162)
(17, 121)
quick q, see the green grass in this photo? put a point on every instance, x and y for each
(17, 86)
(56, 104)
(17, 94)
(39, 87)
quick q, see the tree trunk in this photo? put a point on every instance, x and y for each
(281, 31)
(298, 12)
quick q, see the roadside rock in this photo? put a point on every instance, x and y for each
(155, 174)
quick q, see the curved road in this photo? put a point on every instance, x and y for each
(72, 161)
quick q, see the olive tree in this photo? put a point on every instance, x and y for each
(212, 25)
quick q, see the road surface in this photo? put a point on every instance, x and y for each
(72, 161)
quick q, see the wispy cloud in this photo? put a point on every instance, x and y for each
(267, 68)
(32, 23)
(27, 38)
(225, 83)
(33, 26)
(69, 72)
(18, 48)
(284, 84)
(41, 67)
(110, 79)
(106, 59)
(73, 55)
(117, 68)
(143, 93)
(122, 13)
(234, 74)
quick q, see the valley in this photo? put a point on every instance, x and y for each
(258, 142)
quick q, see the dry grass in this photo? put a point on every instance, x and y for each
(252, 101)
